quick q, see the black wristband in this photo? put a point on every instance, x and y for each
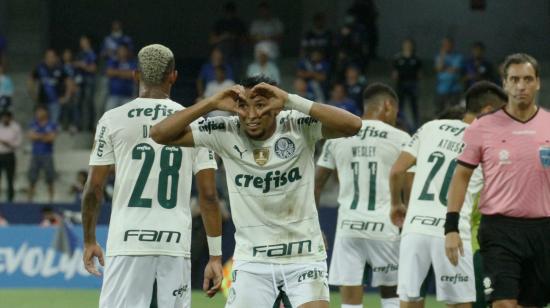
(451, 222)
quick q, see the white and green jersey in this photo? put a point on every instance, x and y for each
(270, 185)
(363, 163)
(436, 146)
(150, 212)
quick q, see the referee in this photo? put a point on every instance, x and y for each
(512, 145)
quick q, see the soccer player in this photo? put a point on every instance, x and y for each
(434, 149)
(268, 156)
(513, 147)
(365, 234)
(150, 228)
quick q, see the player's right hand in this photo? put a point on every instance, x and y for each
(213, 276)
(453, 245)
(91, 251)
(228, 99)
(397, 215)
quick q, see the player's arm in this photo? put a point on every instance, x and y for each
(176, 130)
(336, 122)
(211, 217)
(457, 193)
(91, 202)
(397, 185)
(321, 177)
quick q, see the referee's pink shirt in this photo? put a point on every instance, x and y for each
(515, 158)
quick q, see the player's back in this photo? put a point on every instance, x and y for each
(436, 146)
(363, 163)
(150, 207)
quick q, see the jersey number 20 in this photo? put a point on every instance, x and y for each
(438, 159)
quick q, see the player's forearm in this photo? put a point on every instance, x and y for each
(338, 122)
(397, 182)
(211, 216)
(90, 211)
(458, 188)
(174, 126)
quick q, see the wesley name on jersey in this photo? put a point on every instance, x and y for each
(363, 163)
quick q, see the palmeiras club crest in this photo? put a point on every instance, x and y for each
(284, 148)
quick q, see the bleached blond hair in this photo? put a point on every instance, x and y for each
(155, 62)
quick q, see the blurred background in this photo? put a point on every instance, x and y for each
(64, 63)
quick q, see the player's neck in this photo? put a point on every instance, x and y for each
(469, 118)
(374, 115)
(160, 92)
(522, 112)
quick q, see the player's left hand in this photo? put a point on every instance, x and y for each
(453, 245)
(91, 251)
(213, 275)
(276, 97)
(397, 215)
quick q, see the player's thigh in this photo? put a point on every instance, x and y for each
(454, 284)
(383, 259)
(348, 261)
(414, 266)
(252, 286)
(306, 282)
(174, 282)
(128, 281)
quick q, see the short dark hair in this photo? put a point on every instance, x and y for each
(482, 94)
(376, 90)
(519, 58)
(6, 113)
(250, 82)
(452, 113)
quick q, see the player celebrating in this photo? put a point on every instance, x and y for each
(364, 232)
(150, 228)
(434, 149)
(513, 147)
(268, 155)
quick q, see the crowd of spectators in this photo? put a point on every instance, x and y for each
(331, 67)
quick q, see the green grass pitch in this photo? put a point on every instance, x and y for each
(69, 298)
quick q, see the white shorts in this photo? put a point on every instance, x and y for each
(128, 281)
(259, 284)
(454, 285)
(350, 255)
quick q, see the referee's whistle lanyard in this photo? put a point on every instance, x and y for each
(285, 285)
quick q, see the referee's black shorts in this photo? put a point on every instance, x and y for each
(516, 259)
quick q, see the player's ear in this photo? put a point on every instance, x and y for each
(173, 76)
(136, 76)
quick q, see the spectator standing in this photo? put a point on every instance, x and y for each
(42, 133)
(208, 72)
(86, 63)
(477, 67)
(217, 85)
(229, 34)
(355, 84)
(263, 66)
(351, 45)
(365, 12)
(10, 139)
(339, 98)
(49, 85)
(267, 30)
(121, 78)
(114, 40)
(69, 117)
(315, 69)
(448, 66)
(6, 89)
(318, 36)
(406, 74)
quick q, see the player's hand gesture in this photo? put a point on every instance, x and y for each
(213, 275)
(228, 99)
(276, 97)
(453, 245)
(91, 251)
(397, 214)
